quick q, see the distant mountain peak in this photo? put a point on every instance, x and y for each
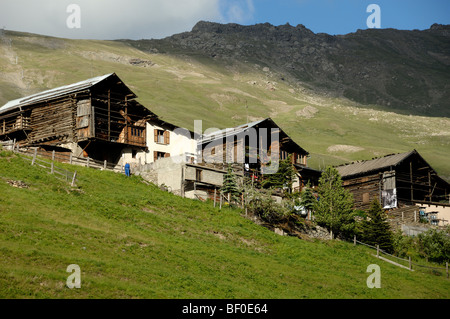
(403, 70)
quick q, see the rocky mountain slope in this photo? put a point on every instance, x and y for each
(404, 71)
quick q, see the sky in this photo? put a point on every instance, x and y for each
(147, 19)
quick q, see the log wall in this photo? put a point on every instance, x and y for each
(364, 189)
(53, 121)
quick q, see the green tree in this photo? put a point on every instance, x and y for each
(230, 185)
(307, 199)
(334, 207)
(375, 228)
(284, 177)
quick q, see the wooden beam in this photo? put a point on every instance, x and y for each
(126, 119)
(109, 115)
(411, 180)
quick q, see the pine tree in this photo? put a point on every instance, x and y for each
(307, 199)
(334, 207)
(376, 229)
(230, 185)
(284, 177)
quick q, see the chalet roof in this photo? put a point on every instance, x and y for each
(373, 165)
(228, 132)
(54, 93)
(207, 138)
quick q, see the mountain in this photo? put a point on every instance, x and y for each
(399, 70)
(183, 84)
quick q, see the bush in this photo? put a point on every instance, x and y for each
(261, 203)
(434, 245)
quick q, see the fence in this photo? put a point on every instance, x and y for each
(59, 173)
(70, 159)
(61, 157)
(409, 261)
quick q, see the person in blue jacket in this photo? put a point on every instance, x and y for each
(127, 169)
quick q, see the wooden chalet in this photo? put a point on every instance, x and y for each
(252, 145)
(397, 180)
(95, 118)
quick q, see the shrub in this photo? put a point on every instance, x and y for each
(434, 245)
(261, 203)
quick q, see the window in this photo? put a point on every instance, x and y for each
(133, 153)
(158, 155)
(137, 131)
(366, 198)
(162, 137)
(198, 174)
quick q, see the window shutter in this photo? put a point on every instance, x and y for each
(166, 137)
(155, 156)
(167, 155)
(156, 135)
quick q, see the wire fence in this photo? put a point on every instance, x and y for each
(408, 261)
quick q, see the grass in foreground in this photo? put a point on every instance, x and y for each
(132, 240)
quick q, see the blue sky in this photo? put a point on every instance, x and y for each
(344, 16)
(137, 19)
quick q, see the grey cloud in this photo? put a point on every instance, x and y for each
(108, 19)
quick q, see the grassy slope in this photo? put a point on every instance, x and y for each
(132, 240)
(182, 90)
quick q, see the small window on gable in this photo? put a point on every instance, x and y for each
(366, 198)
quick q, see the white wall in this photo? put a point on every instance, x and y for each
(180, 142)
(127, 157)
(443, 212)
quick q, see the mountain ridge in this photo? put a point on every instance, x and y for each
(406, 71)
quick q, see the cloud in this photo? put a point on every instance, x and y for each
(108, 19)
(237, 11)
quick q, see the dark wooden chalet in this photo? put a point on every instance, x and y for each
(95, 118)
(397, 180)
(252, 145)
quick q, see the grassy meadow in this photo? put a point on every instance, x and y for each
(132, 240)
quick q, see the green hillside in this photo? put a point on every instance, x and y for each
(132, 240)
(182, 89)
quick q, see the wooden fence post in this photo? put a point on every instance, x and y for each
(52, 168)
(87, 164)
(410, 263)
(53, 155)
(446, 268)
(220, 200)
(74, 178)
(215, 194)
(70, 158)
(354, 240)
(104, 165)
(378, 251)
(34, 156)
